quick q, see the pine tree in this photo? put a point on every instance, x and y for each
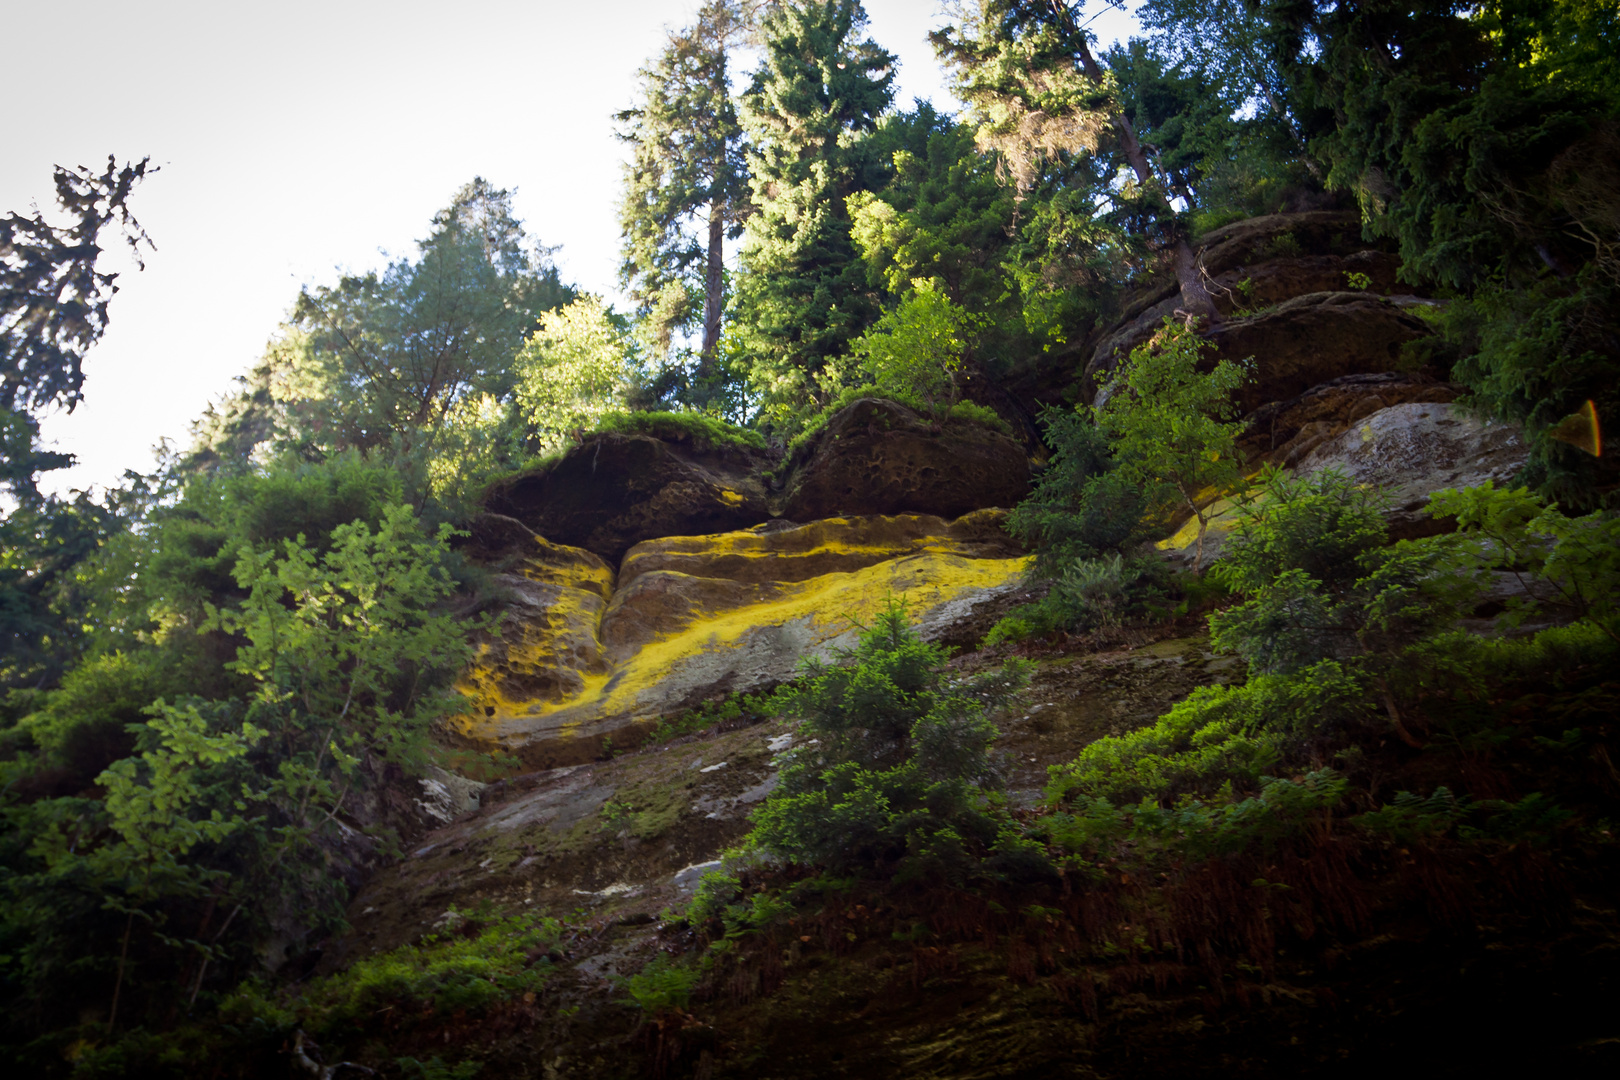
(1026, 71)
(803, 294)
(686, 168)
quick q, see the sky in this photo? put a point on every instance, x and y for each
(299, 138)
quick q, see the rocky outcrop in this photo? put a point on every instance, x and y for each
(696, 618)
(877, 457)
(545, 644)
(1296, 344)
(615, 490)
(1316, 337)
(1283, 432)
(1409, 451)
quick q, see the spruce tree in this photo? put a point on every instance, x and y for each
(803, 294)
(686, 168)
(1027, 73)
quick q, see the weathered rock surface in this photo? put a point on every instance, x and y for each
(877, 457)
(695, 618)
(1410, 451)
(1416, 449)
(1283, 432)
(546, 643)
(1316, 337)
(615, 490)
(1296, 344)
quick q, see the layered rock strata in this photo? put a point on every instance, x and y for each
(580, 660)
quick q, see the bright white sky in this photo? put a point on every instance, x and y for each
(298, 137)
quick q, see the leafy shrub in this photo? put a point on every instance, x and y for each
(1088, 595)
(898, 755)
(1080, 507)
(661, 986)
(444, 974)
(1218, 735)
(1193, 830)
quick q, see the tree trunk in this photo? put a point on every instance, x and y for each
(714, 285)
(1195, 298)
(118, 982)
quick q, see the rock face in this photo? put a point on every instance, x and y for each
(1296, 344)
(877, 457)
(547, 644)
(696, 618)
(1283, 432)
(615, 490)
(1316, 337)
(1408, 450)
(1416, 449)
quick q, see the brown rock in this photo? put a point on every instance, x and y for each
(1283, 432)
(1266, 284)
(1316, 337)
(877, 457)
(1413, 450)
(615, 490)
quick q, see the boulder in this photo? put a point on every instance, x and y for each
(1303, 341)
(1262, 285)
(1313, 338)
(696, 618)
(781, 551)
(1416, 449)
(615, 490)
(877, 457)
(1410, 451)
(1283, 432)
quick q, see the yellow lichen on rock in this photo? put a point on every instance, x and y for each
(671, 639)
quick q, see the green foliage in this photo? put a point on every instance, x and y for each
(1080, 507)
(1193, 830)
(1090, 594)
(53, 308)
(446, 974)
(573, 371)
(702, 431)
(1219, 735)
(1535, 355)
(661, 986)
(1171, 426)
(898, 756)
(802, 295)
(386, 356)
(1309, 556)
(1569, 564)
(685, 185)
(914, 354)
(436, 1069)
(1414, 819)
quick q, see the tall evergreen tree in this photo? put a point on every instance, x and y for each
(1027, 73)
(803, 294)
(54, 305)
(384, 355)
(686, 168)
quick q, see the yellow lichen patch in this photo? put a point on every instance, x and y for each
(694, 637)
(798, 553)
(567, 567)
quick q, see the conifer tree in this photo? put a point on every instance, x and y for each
(1026, 71)
(686, 168)
(803, 294)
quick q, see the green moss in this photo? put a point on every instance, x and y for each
(705, 432)
(465, 969)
